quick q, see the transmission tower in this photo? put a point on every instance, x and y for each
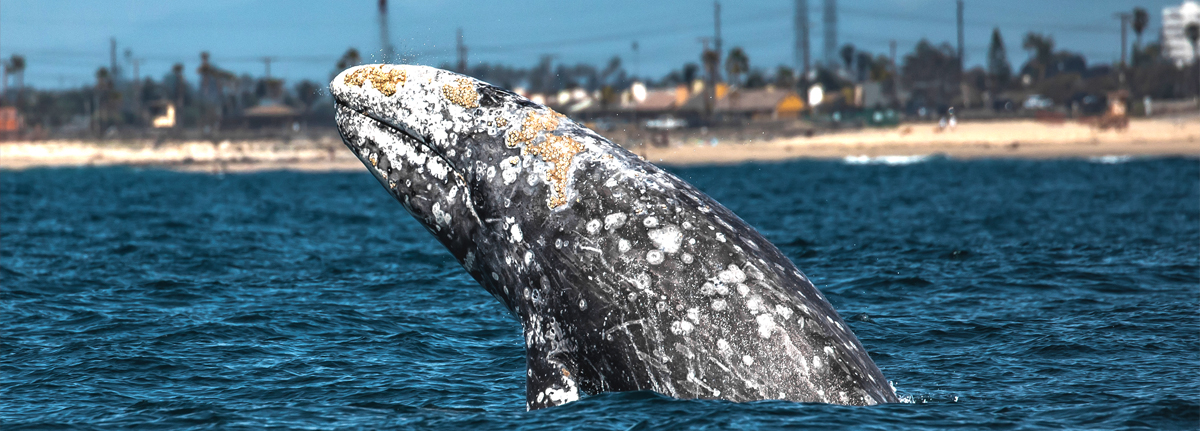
(462, 53)
(717, 40)
(830, 23)
(960, 35)
(802, 45)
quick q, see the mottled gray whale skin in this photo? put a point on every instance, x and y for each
(623, 276)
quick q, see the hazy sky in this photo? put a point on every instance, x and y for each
(65, 41)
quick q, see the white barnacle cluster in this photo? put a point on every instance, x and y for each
(510, 168)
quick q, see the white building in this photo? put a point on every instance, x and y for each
(1176, 45)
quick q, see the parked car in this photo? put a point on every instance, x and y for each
(1089, 104)
(1004, 105)
(665, 123)
(1038, 101)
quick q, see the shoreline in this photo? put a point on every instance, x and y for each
(1026, 139)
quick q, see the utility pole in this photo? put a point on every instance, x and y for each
(137, 86)
(267, 63)
(112, 58)
(960, 35)
(462, 53)
(962, 83)
(385, 44)
(717, 40)
(830, 26)
(1124, 17)
(710, 81)
(895, 71)
(637, 61)
(802, 45)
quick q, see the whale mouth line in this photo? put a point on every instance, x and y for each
(406, 134)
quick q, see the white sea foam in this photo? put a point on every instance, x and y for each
(886, 160)
(1111, 159)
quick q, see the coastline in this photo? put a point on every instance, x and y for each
(1176, 136)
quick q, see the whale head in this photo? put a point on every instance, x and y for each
(464, 157)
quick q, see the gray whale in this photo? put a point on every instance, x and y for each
(623, 276)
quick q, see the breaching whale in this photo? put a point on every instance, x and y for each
(623, 276)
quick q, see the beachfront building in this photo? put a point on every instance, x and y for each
(1176, 45)
(270, 115)
(760, 104)
(658, 102)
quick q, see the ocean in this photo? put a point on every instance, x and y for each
(1009, 294)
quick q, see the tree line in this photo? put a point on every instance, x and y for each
(929, 74)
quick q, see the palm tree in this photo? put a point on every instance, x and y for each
(1141, 19)
(16, 67)
(690, 71)
(736, 64)
(1193, 34)
(785, 78)
(1043, 50)
(349, 59)
(848, 55)
(998, 66)
(863, 65)
(711, 60)
(177, 72)
(307, 94)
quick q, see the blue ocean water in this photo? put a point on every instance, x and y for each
(994, 294)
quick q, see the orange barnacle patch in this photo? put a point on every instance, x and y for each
(559, 151)
(534, 123)
(463, 94)
(384, 81)
(556, 150)
(357, 77)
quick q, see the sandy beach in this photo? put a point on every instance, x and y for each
(994, 139)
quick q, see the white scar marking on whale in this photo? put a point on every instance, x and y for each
(509, 172)
(437, 169)
(655, 257)
(562, 396)
(681, 327)
(440, 217)
(754, 303)
(732, 275)
(516, 233)
(784, 312)
(765, 325)
(668, 238)
(614, 221)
